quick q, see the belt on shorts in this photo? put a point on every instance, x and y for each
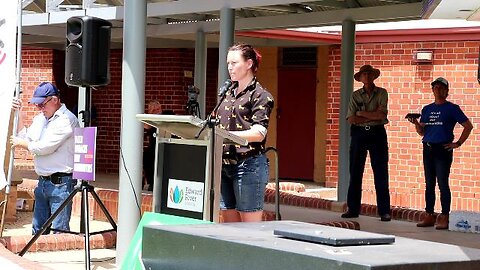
(239, 157)
(55, 178)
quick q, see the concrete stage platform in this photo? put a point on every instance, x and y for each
(254, 246)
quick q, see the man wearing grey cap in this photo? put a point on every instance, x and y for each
(436, 125)
(51, 141)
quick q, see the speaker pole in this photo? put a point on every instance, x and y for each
(87, 122)
(87, 117)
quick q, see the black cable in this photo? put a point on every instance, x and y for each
(131, 183)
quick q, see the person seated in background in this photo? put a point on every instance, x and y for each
(151, 134)
(153, 107)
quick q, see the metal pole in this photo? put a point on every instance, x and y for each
(131, 135)
(86, 226)
(15, 121)
(200, 74)
(81, 104)
(346, 88)
(227, 31)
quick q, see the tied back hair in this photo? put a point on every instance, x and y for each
(248, 52)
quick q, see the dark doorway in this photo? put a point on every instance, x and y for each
(296, 122)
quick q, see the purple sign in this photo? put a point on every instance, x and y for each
(84, 159)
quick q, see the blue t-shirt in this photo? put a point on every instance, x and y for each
(440, 119)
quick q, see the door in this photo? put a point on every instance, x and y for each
(296, 123)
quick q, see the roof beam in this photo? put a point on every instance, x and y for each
(181, 7)
(329, 4)
(46, 31)
(334, 17)
(88, 3)
(52, 5)
(353, 4)
(25, 3)
(195, 6)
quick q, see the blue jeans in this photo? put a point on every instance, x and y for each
(48, 198)
(243, 184)
(436, 163)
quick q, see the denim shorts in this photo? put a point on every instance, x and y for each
(243, 184)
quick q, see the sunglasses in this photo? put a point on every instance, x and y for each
(42, 105)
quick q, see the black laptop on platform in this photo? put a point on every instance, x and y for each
(334, 236)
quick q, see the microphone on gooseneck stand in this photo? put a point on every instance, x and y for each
(223, 90)
(211, 118)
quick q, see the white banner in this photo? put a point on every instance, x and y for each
(8, 49)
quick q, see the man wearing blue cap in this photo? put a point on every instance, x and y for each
(436, 125)
(51, 141)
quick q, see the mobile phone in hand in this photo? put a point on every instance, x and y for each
(412, 115)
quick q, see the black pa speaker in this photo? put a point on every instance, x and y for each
(87, 54)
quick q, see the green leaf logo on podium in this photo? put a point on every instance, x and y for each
(176, 195)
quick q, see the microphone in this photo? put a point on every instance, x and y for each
(228, 83)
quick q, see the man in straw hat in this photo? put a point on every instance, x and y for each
(367, 114)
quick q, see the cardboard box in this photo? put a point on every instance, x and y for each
(25, 205)
(464, 221)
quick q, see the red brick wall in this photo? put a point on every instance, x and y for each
(409, 90)
(165, 81)
(408, 84)
(37, 67)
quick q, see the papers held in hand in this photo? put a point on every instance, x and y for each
(412, 115)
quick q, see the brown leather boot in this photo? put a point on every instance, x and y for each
(428, 220)
(442, 222)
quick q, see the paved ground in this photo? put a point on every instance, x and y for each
(101, 259)
(104, 259)
(373, 224)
